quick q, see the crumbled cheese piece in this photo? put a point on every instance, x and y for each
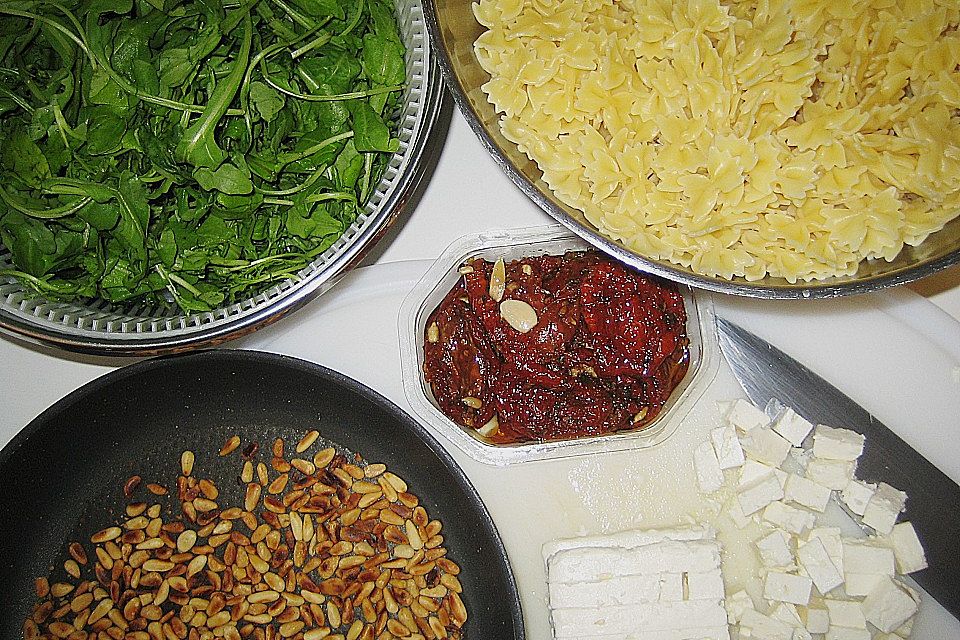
(800, 457)
(787, 587)
(832, 542)
(833, 474)
(806, 492)
(845, 613)
(774, 549)
(736, 604)
(792, 427)
(845, 633)
(907, 548)
(786, 612)
(735, 513)
(766, 446)
(818, 620)
(794, 520)
(817, 564)
(759, 494)
(754, 624)
(709, 475)
(883, 508)
(837, 444)
(864, 565)
(752, 471)
(745, 417)
(889, 605)
(727, 447)
(856, 495)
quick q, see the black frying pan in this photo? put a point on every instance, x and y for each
(61, 477)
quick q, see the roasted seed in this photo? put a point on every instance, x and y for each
(498, 280)
(110, 533)
(186, 462)
(230, 446)
(519, 315)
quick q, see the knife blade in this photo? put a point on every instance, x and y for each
(933, 499)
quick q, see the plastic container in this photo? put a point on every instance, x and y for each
(533, 241)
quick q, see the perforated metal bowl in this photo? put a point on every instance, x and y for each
(453, 30)
(99, 327)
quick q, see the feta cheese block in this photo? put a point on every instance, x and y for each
(744, 416)
(889, 605)
(817, 564)
(637, 585)
(833, 474)
(787, 587)
(806, 492)
(907, 549)
(832, 542)
(727, 447)
(883, 508)
(856, 495)
(766, 446)
(837, 444)
(864, 566)
(752, 471)
(792, 427)
(705, 463)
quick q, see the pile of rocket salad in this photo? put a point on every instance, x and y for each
(188, 151)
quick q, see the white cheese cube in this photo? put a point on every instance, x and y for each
(727, 447)
(817, 564)
(858, 585)
(844, 633)
(818, 620)
(704, 586)
(786, 612)
(907, 548)
(759, 494)
(671, 587)
(832, 542)
(792, 427)
(833, 474)
(752, 471)
(888, 606)
(735, 513)
(800, 458)
(766, 446)
(754, 624)
(883, 508)
(774, 549)
(864, 565)
(837, 444)
(744, 416)
(794, 520)
(736, 604)
(845, 613)
(856, 495)
(709, 475)
(786, 587)
(806, 492)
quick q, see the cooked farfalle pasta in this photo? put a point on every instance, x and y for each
(791, 138)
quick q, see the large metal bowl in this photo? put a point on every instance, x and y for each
(98, 327)
(453, 30)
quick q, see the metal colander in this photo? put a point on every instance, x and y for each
(100, 327)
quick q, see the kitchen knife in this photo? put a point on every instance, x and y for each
(933, 499)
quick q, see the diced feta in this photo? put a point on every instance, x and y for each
(818, 620)
(837, 444)
(774, 549)
(883, 508)
(856, 495)
(817, 564)
(864, 565)
(759, 494)
(844, 633)
(727, 447)
(736, 604)
(786, 587)
(709, 475)
(786, 612)
(757, 625)
(806, 492)
(751, 471)
(832, 542)
(704, 586)
(833, 474)
(888, 606)
(745, 417)
(860, 584)
(735, 513)
(845, 613)
(794, 520)
(800, 458)
(765, 445)
(792, 427)
(907, 548)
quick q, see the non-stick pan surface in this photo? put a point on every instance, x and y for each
(61, 478)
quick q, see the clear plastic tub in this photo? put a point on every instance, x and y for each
(534, 241)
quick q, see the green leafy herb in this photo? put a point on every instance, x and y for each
(192, 151)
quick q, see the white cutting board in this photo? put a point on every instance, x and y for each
(893, 359)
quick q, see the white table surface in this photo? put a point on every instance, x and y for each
(465, 192)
